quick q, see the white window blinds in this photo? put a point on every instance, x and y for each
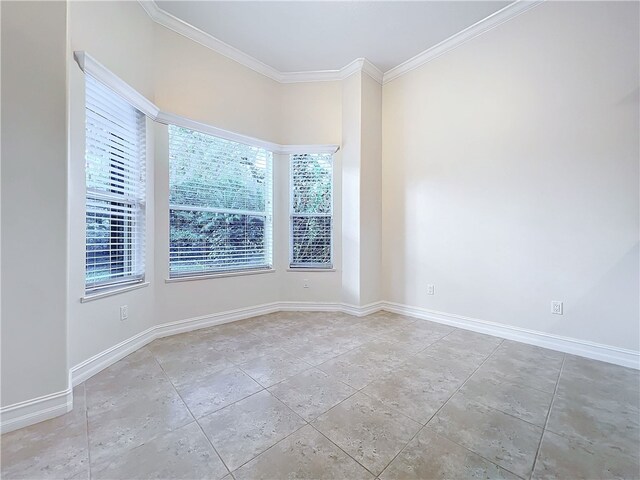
(115, 186)
(220, 212)
(311, 211)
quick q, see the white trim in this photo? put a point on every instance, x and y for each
(113, 291)
(36, 410)
(173, 119)
(583, 348)
(98, 71)
(185, 29)
(171, 22)
(498, 18)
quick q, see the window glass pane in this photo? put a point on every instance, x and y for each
(311, 240)
(220, 204)
(311, 183)
(311, 210)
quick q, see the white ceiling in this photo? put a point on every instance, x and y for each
(300, 36)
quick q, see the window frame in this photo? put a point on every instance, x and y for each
(133, 249)
(322, 267)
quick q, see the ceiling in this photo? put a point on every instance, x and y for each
(300, 36)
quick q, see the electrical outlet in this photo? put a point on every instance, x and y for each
(306, 283)
(124, 312)
(431, 290)
(556, 307)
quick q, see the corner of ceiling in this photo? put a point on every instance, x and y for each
(181, 27)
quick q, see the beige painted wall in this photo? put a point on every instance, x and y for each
(34, 207)
(371, 192)
(510, 175)
(311, 113)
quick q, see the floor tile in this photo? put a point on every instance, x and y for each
(124, 382)
(306, 454)
(525, 403)
(563, 458)
(117, 430)
(419, 335)
(418, 388)
(247, 428)
(247, 349)
(525, 365)
(365, 364)
(55, 448)
(184, 453)
(505, 440)
(184, 364)
(591, 379)
(464, 344)
(367, 430)
(605, 421)
(430, 456)
(216, 391)
(311, 393)
(316, 349)
(273, 368)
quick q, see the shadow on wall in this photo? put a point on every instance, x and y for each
(614, 289)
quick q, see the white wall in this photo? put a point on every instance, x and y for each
(510, 175)
(34, 208)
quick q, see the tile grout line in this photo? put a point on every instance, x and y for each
(546, 421)
(444, 404)
(360, 390)
(86, 425)
(195, 419)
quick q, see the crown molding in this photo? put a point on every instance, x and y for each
(185, 29)
(498, 18)
(358, 65)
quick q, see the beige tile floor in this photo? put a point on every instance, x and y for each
(327, 395)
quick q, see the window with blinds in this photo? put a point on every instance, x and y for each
(115, 188)
(220, 205)
(311, 219)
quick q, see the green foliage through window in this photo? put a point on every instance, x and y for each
(220, 204)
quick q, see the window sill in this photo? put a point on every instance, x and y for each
(113, 291)
(219, 275)
(310, 269)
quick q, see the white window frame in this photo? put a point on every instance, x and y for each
(268, 215)
(134, 250)
(311, 266)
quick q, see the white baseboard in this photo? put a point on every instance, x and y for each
(583, 348)
(36, 410)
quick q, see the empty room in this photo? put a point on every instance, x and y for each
(320, 240)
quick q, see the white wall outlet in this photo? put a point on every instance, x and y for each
(556, 307)
(124, 312)
(431, 290)
(305, 283)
